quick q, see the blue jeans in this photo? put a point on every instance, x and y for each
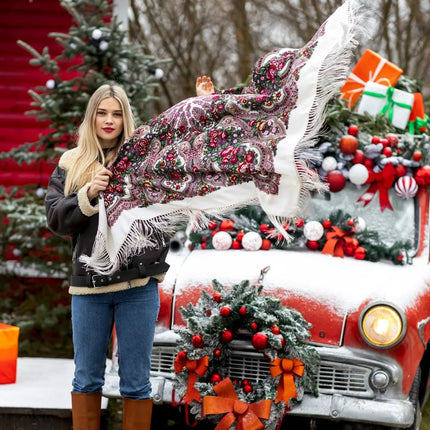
(134, 312)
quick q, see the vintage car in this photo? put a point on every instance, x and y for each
(370, 320)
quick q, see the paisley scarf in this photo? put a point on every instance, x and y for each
(211, 154)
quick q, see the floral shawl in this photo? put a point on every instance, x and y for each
(211, 154)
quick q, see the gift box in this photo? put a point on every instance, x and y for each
(396, 104)
(8, 353)
(371, 67)
(418, 121)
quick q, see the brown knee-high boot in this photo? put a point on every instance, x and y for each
(137, 414)
(86, 411)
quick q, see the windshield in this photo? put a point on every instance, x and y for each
(392, 226)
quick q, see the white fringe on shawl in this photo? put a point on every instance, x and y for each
(140, 228)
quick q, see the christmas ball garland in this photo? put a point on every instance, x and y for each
(276, 333)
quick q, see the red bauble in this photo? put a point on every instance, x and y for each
(203, 245)
(217, 352)
(358, 157)
(264, 228)
(182, 355)
(300, 222)
(422, 175)
(247, 389)
(384, 142)
(254, 326)
(393, 140)
(197, 341)
(217, 297)
(336, 181)
(266, 244)
(376, 140)
(242, 311)
(388, 152)
(227, 336)
(275, 329)
(225, 311)
(326, 224)
(360, 253)
(259, 340)
(416, 156)
(368, 163)
(400, 170)
(353, 130)
(212, 225)
(236, 244)
(240, 234)
(348, 144)
(227, 224)
(312, 244)
(215, 378)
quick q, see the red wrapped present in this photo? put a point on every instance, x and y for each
(371, 67)
(8, 353)
(418, 121)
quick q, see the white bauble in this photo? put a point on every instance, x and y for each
(251, 241)
(96, 34)
(359, 224)
(406, 187)
(50, 84)
(103, 45)
(313, 230)
(358, 174)
(222, 241)
(329, 164)
(159, 73)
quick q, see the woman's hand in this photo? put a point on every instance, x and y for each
(99, 183)
(204, 86)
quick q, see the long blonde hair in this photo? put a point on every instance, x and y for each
(91, 158)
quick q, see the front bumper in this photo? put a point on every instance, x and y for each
(346, 391)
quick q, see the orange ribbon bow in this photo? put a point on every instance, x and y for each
(336, 240)
(287, 369)
(247, 414)
(382, 182)
(194, 367)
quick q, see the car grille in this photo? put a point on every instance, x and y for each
(333, 377)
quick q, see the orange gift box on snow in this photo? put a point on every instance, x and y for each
(418, 120)
(8, 353)
(371, 67)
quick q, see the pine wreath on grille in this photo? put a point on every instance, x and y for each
(242, 318)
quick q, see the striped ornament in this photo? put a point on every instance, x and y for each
(406, 187)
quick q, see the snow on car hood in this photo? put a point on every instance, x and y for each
(341, 284)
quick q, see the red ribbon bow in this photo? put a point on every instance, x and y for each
(194, 367)
(287, 369)
(247, 414)
(382, 182)
(336, 240)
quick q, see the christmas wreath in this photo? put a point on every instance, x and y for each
(243, 315)
(339, 235)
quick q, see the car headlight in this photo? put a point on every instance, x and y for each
(382, 325)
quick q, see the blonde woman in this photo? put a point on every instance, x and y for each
(128, 298)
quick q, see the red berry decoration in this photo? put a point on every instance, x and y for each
(312, 245)
(225, 311)
(247, 389)
(242, 311)
(197, 341)
(240, 235)
(203, 245)
(259, 340)
(217, 297)
(348, 144)
(360, 253)
(326, 224)
(182, 355)
(236, 244)
(353, 130)
(264, 228)
(335, 180)
(217, 352)
(300, 222)
(215, 378)
(254, 326)
(227, 336)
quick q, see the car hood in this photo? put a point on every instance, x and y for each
(322, 287)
